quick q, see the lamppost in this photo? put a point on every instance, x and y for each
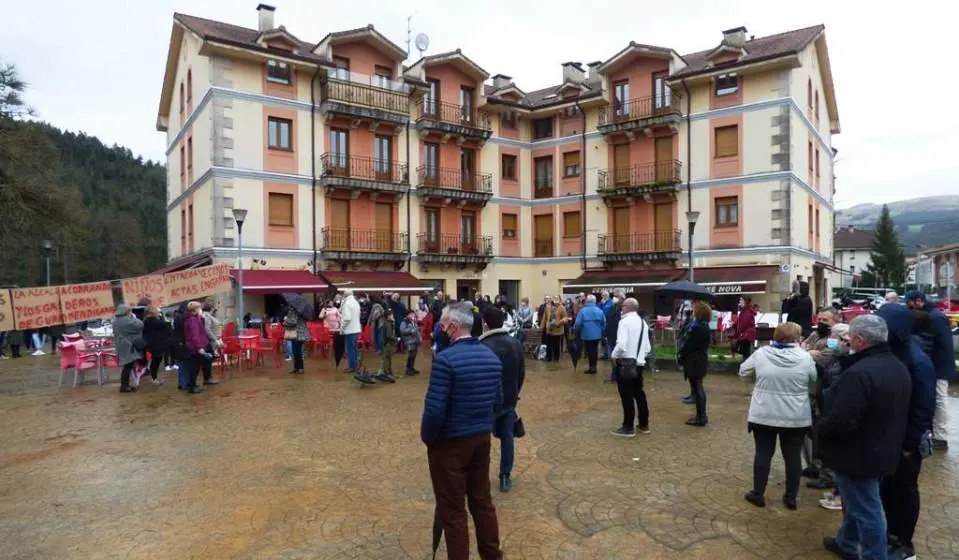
(239, 214)
(691, 218)
(47, 252)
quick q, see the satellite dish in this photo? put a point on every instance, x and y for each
(422, 42)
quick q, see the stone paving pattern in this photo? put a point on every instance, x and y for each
(268, 465)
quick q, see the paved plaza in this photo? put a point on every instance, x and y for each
(268, 465)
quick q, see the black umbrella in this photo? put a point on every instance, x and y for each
(685, 289)
(300, 304)
(574, 347)
(437, 531)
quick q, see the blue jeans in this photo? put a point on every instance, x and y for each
(183, 373)
(863, 519)
(39, 341)
(289, 349)
(350, 340)
(503, 429)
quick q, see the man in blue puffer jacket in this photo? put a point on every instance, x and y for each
(943, 356)
(464, 395)
(591, 326)
(900, 492)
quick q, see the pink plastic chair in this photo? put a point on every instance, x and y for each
(74, 356)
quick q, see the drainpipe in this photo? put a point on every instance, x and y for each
(689, 188)
(582, 182)
(409, 199)
(316, 75)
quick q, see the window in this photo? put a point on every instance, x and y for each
(468, 226)
(182, 100)
(852, 268)
(509, 226)
(433, 225)
(571, 164)
(810, 215)
(508, 120)
(183, 231)
(727, 84)
(431, 156)
(278, 72)
(817, 164)
(382, 77)
(544, 173)
(727, 211)
(809, 156)
(342, 70)
(509, 167)
(726, 141)
(621, 94)
(569, 112)
(852, 255)
(466, 104)
(817, 222)
(383, 153)
(815, 110)
(662, 94)
(279, 134)
(432, 98)
(339, 147)
(571, 224)
(281, 209)
(182, 163)
(189, 158)
(542, 128)
(189, 89)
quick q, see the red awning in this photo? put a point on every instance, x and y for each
(628, 280)
(363, 281)
(265, 281)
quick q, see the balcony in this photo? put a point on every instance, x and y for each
(543, 187)
(362, 101)
(639, 180)
(350, 244)
(453, 121)
(358, 173)
(641, 114)
(543, 248)
(657, 245)
(462, 250)
(453, 184)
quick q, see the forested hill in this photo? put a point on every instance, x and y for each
(102, 207)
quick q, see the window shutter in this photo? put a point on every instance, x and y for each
(281, 209)
(727, 141)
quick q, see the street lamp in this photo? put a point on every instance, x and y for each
(691, 218)
(47, 252)
(239, 214)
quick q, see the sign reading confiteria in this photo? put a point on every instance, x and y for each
(150, 287)
(196, 282)
(6, 311)
(36, 307)
(83, 302)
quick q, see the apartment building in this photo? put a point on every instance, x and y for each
(387, 173)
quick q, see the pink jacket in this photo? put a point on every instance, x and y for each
(331, 319)
(195, 333)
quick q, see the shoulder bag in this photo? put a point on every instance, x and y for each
(628, 368)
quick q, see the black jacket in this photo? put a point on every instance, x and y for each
(694, 354)
(157, 334)
(799, 310)
(867, 409)
(613, 316)
(510, 353)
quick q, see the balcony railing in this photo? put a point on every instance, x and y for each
(646, 242)
(542, 187)
(646, 176)
(641, 109)
(364, 240)
(454, 179)
(370, 96)
(457, 115)
(543, 248)
(363, 168)
(455, 245)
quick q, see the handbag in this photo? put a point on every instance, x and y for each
(289, 328)
(519, 429)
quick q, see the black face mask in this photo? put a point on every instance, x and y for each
(822, 329)
(445, 339)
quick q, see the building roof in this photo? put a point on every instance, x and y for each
(757, 50)
(849, 238)
(541, 98)
(245, 37)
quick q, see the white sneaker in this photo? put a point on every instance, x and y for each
(168, 368)
(2, 357)
(39, 353)
(833, 503)
(289, 359)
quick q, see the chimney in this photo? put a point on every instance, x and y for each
(501, 80)
(573, 72)
(593, 79)
(735, 37)
(265, 14)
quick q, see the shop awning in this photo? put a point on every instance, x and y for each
(279, 281)
(628, 280)
(202, 258)
(734, 280)
(386, 281)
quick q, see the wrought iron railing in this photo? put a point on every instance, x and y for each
(641, 108)
(363, 168)
(452, 245)
(543, 248)
(364, 240)
(660, 241)
(449, 113)
(354, 93)
(646, 174)
(446, 178)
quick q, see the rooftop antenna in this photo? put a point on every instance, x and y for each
(409, 32)
(422, 43)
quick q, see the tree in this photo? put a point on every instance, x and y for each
(888, 258)
(11, 92)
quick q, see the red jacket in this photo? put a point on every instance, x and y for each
(745, 326)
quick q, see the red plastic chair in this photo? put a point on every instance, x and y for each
(74, 356)
(229, 330)
(365, 339)
(231, 349)
(251, 332)
(322, 341)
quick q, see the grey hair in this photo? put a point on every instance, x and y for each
(591, 298)
(618, 292)
(460, 313)
(630, 304)
(832, 311)
(872, 328)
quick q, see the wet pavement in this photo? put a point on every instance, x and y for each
(268, 465)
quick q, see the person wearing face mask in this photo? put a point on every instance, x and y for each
(828, 369)
(816, 343)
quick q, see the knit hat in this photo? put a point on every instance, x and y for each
(840, 330)
(914, 294)
(122, 310)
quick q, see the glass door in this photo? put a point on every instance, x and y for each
(340, 152)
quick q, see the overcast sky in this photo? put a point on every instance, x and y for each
(96, 66)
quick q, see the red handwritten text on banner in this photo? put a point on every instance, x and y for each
(83, 302)
(195, 283)
(36, 307)
(150, 286)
